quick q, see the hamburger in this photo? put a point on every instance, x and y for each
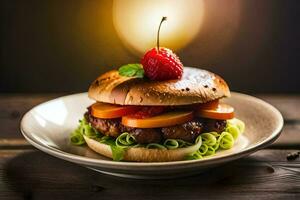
(157, 111)
(139, 119)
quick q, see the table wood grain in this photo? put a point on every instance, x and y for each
(27, 173)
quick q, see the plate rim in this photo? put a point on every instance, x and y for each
(115, 164)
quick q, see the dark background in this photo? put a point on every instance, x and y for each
(61, 46)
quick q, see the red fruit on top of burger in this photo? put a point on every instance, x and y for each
(161, 63)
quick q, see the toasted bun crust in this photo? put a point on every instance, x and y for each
(143, 154)
(196, 86)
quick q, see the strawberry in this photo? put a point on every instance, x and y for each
(162, 64)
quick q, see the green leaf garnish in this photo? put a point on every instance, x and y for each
(132, 70)
(210, 142)
(84, 128)
(117, 152)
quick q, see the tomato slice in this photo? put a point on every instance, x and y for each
(222, 112)
(108, 111)
(162, 120)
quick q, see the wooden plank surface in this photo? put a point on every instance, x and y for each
(289, 138)
(35, 175)
(13, 107)
(288, 105)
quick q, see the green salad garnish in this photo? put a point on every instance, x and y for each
(211, 142)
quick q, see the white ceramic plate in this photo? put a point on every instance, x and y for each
(48, 126)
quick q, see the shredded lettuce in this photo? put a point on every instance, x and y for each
(233, 130)
(125, 140)
(117, 151)
(226, 140)
(171, 144)
(84, 128)
(183, 143)
(203, 149)
(155, 146)
(209, 139)
(194, 156)
(210, 151)
(77, 137)
(211, 142)
(216, 146)
(238, 123)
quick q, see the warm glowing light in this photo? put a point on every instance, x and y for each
(136, 22)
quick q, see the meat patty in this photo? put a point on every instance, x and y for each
(146, 135)
(113, 128)
(211, 125)
(108, 127)
(187, 131)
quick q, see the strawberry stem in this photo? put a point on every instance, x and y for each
(162, 20)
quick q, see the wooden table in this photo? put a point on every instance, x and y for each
(27, 173)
